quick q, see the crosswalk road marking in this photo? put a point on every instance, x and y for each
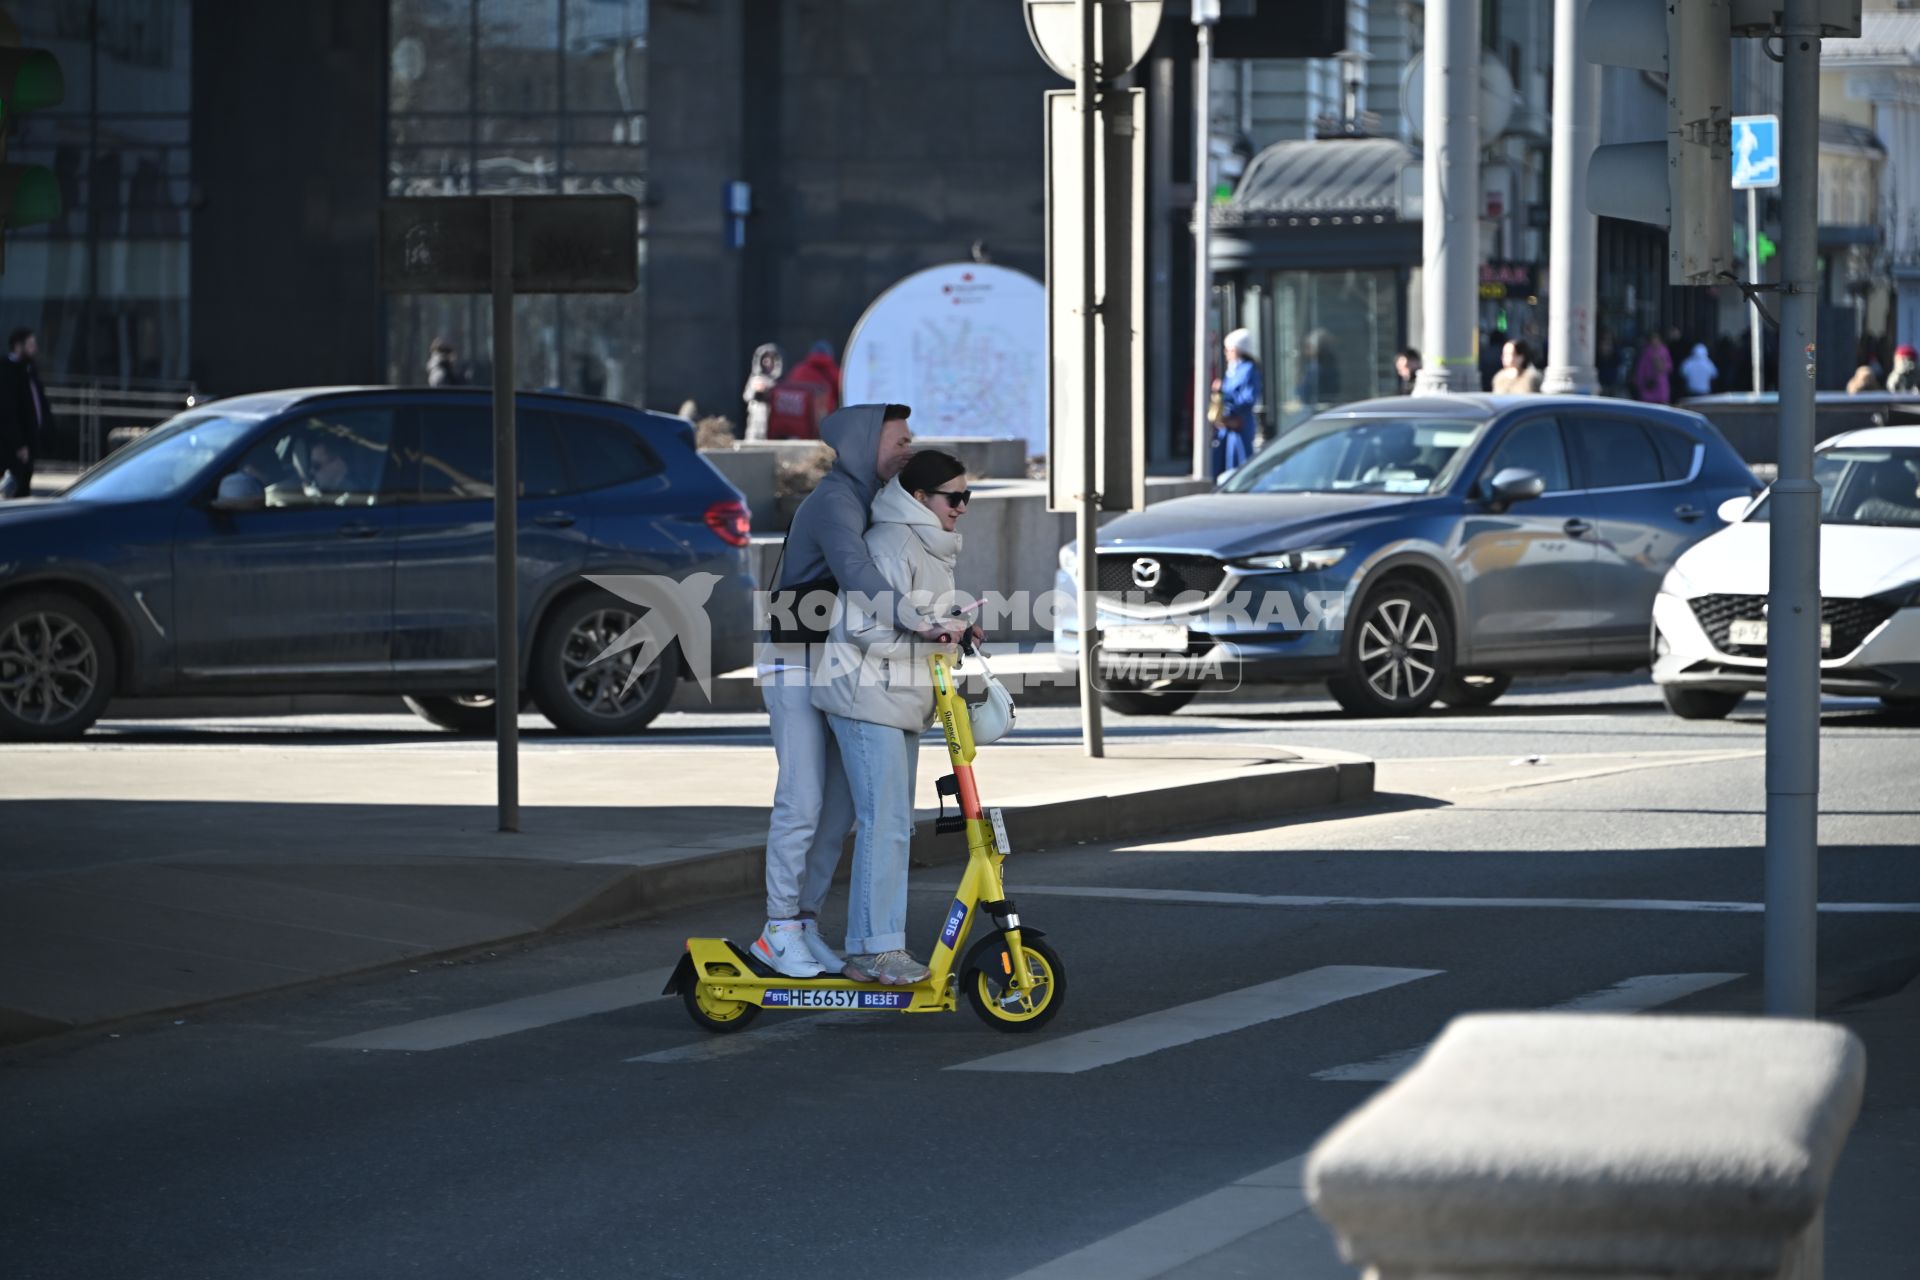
(1648, 991)
(1215, 898)
(1168, 1240)
(1184, 1024)
(507, 1017)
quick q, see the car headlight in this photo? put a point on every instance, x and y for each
(1295, 561)
(1907, 597)
(1070, 558)
(1677, 583)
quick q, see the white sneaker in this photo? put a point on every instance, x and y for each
(783, 945)
(893, 968)
(817, 947)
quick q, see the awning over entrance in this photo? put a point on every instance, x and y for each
(1353, 180)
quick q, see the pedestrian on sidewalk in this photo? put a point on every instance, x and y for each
(762, 374)
(1406, 369)
(1518, 375)
(443, 365)
(825, 551)
(1698, 371)
(1906, 370)
(879, 699)
(25, 419)
(802, 399)
(1651, 372)
(1239, 398)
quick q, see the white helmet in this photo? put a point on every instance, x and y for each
(992, 718)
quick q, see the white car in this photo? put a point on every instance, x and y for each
(1710, 618)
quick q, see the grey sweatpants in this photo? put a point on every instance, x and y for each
(812, 806)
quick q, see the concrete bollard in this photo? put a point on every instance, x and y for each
(1598, 1146)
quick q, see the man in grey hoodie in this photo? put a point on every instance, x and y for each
(812, 807)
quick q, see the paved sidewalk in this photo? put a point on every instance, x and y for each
(146, 879)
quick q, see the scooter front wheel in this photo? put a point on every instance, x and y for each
(712, 1013)
(1005, 1009)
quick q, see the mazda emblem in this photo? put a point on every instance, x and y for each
(1146, 573)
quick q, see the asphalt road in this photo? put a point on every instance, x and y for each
(535, 1113)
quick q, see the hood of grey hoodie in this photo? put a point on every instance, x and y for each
(838, 509)
(854, 434)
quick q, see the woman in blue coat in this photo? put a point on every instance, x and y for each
(1240, 393)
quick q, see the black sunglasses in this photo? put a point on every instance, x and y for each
(955, 497)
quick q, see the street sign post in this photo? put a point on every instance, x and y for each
(503, 245)
(1092, 42)
(1116, 225)
(1756, 164)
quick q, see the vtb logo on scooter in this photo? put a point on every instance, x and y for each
(956, 916)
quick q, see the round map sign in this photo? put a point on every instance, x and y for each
(965, 345)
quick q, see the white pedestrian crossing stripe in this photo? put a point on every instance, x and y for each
(507, 1017)
(1648, 991)
(1217, 898)
(1172, 1239)
(1201, 1020)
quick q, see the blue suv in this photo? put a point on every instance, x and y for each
(1414, 550)
(340, 540)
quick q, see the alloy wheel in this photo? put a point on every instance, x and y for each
(49, 669)
(1398, 650)
(603, 688)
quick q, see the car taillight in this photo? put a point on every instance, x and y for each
(732, 521)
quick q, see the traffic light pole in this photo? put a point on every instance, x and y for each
(1450, 199)
(1205, 13)
(1755, 274)
(1793, 598)
(506, 562)
(1571, 284)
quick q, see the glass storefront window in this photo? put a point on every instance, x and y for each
(520, 96)
(106, 284)
(1328, 338)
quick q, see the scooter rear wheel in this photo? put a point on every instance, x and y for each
(1005, 1009)
(714, 1014)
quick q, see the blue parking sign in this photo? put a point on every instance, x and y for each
(1756, 152)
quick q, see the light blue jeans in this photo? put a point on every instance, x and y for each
(812, 810)
(880, 762)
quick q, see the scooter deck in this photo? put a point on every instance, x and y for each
(757, 983)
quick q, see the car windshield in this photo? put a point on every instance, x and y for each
(162, 462)
(1861, 485)
(1358, 455)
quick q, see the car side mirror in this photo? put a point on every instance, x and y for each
(239, 492)
(1732, 509)
(1514, 484)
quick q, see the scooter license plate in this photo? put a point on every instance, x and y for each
(1754, 631)
(833, 998)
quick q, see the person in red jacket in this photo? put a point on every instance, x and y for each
(805, 396)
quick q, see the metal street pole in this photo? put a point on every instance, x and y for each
(1793, 598)
(1754, 274)
(1571, 286)
(1205, 14)
(1088, 532)
(506, 485)
(1450, 199)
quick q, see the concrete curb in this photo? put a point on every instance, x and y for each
(1329, 779)
(1227, 799)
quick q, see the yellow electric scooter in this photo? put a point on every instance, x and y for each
(1012, 979)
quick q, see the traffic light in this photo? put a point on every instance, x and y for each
(1680, 182)
(29, 80)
